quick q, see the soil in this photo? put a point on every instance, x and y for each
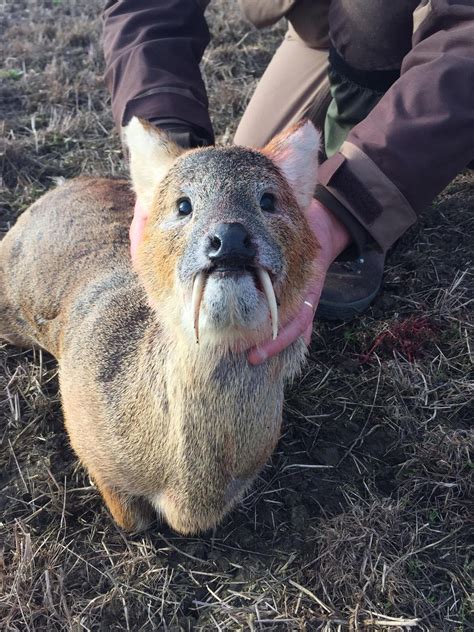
(360, 519)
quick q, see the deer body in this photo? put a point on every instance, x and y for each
(161, 423)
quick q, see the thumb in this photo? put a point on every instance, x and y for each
(137, 228)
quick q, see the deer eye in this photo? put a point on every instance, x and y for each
(184, 206)
(267, 202)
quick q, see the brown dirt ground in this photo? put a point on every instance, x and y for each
(360, 520)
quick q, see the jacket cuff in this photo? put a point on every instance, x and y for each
(356, 182)
(170, 103)
(181, 132)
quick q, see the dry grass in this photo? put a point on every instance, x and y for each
(360, 520)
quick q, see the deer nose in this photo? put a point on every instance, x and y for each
(231, 242)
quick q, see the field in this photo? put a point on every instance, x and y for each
(359, 522)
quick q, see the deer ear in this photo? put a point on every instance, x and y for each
(295, 151)
(152, 153)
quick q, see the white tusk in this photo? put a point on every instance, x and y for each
(269, 292)
(198, 291)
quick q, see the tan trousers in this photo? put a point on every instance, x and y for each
(295, 85)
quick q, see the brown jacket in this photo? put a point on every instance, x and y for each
(392, 165)
(152, 53)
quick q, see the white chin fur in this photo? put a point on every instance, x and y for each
(231, 310)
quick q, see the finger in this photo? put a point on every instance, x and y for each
(286, 336)
(301, 324)
(308, 334)
(137, 228)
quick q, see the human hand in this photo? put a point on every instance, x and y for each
(140, 217)
(333, 238)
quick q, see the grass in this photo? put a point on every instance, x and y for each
(359, 522)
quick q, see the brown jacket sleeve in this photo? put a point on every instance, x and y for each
(421, 133)
(152, 52)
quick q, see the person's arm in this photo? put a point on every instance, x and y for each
(418, 137)
(152, 52)
(393, 164)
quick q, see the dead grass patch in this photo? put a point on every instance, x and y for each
(360, 521)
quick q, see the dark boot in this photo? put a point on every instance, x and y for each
(351, 286)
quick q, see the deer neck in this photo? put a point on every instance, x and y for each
(215, 382)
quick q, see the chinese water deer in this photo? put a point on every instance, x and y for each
(160, 403)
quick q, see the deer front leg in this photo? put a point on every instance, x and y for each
(129, 512)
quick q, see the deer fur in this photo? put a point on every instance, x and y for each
(163, 424)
